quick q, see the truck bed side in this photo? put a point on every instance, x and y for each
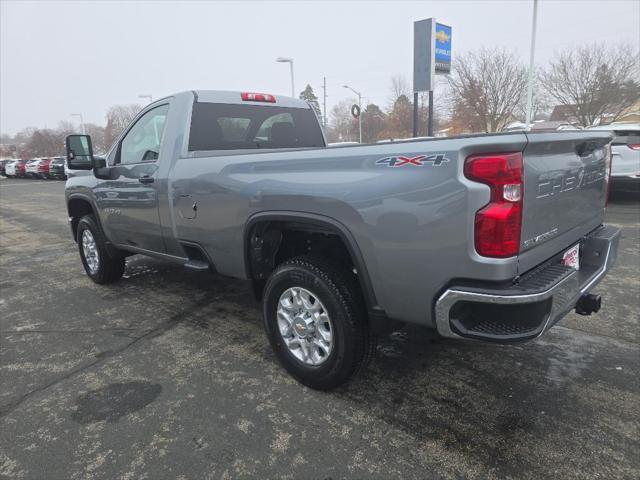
(412, 224)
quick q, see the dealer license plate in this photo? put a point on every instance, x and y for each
(571, 257)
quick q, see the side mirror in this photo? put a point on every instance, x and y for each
(101, 169)
(99, 162)
(79, 152)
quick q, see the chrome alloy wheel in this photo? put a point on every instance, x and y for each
(305, 326)
(90, 250)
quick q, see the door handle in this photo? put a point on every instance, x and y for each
(145, 179)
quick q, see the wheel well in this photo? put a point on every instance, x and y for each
(272, 242)
(77, 209)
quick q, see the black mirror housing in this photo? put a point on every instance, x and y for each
(79, 152)
(101, 169)
(99, 162)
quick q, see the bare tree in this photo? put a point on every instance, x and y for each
(399, 121)
(593, 81)
(342, 125)
(118, 117)
(97, 133)
(399, 87)
(541, 106)
(487, 86)
(67, 128)
(44, 143)
(373, 123)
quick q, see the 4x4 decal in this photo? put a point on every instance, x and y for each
(436, 160)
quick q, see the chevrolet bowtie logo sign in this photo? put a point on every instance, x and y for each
(441, 36)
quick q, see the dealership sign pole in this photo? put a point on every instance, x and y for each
(431, 55)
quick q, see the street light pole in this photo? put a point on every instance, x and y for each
(290, 62)
(146, 96)
(81, 121)
(531, 57)
(359, 107)
(324, 102)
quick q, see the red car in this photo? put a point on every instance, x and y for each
(20, 168)
(43, 168)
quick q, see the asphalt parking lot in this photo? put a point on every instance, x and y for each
(168, 374)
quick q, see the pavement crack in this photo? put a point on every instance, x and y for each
(99, 330)
(160, 330)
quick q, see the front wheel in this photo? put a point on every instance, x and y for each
(316, 322)
(100, 265)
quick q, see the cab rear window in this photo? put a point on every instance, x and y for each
(221, 126)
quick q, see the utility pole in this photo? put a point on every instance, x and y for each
(324, 102)
(415, 114)
(150, 97)
(531, 58)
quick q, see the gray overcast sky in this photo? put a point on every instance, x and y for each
(58, 58)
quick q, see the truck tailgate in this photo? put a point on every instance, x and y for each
(565, 191)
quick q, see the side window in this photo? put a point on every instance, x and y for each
(142, 142)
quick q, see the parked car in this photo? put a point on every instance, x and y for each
(17, 168)
(625, 163)
(10, 169)
(43, 168)
(57, 168)
(3, 164)
(489, 237)
(31, 168)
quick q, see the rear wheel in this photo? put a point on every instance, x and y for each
(101, 265)
(316, 323)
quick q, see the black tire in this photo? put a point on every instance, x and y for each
(338, 291)
(110, 265)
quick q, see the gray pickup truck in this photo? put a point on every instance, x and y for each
(483, 237)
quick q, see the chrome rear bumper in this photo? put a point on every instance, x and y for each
(526, 310)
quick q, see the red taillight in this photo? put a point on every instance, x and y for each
(634, 146)
(258, 97)
(499, 223)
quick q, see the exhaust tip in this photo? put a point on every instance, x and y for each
(588, 304)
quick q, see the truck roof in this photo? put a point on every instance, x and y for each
(234, 97)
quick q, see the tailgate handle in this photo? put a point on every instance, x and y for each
(586, 148)
(145, 179)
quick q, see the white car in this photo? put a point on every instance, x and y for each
(625, 150)
(31, 168)
(10, 169)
